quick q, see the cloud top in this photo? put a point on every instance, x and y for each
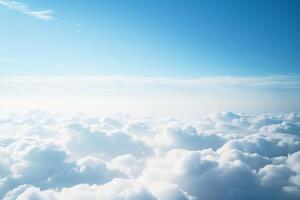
(215, 156)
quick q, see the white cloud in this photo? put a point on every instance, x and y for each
(22, 8)
(187, 138)
(151, 95)
(118, 189)
(215, 156)
(107, 143)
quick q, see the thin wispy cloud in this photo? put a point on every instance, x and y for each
(166, 94)
(25, 9)
(274, 81)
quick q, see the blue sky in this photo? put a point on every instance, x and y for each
(150, 38)
(150, 56)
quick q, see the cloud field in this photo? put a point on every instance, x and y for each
(226, 155)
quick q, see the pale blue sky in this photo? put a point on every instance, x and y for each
(104, 55)
(150, 38)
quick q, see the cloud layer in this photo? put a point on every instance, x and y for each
(215, 156)
(146, 95)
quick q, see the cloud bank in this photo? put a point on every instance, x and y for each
(214, 156)
(151, 94)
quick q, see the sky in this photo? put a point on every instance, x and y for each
(154, 55)
(149, 99)
(150, 38)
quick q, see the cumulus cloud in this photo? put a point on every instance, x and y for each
(23, 8)
(188, 138)
(108, 143)
(215, 156)
(46, 165)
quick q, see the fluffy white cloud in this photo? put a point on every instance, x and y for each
(215, 156)
(118, 189)
(188, 138)
(86, 141)
(46, 165)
